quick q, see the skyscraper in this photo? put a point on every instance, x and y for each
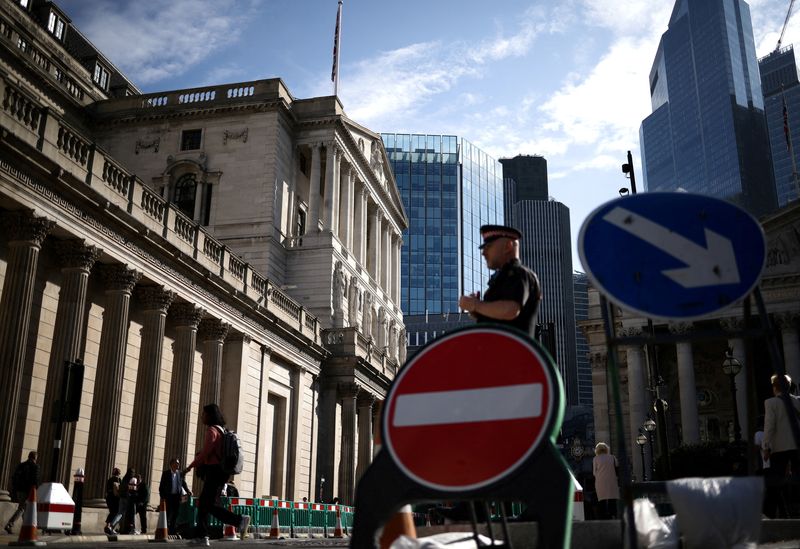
(580, 284)
(449, 189)
(530, 173)
(782, 105)
(707, 133)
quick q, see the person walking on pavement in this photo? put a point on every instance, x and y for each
(125, 510)
(171, 489)
(26, 475)
(142, 500)
(779, 447)
(112, 498)
(606, 484)
(514, 292)
(209, 468)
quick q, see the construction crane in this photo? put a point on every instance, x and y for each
(785, 24)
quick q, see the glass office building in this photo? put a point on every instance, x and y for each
(580, 284)
(781, 87)
(707, 133)
(449, 188)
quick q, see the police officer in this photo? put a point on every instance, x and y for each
(514, 292)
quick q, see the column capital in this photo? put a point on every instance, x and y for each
(186, 314)
(631, 331)
(267, 350)
(377, 214)
(348, 389)
(365, 399)
(681, 328)
(598, 360)
(787, 320)
(212, 329)
(316, 145)
(333, 148)
(118, 277)
(154, 298)
(22, 226)
(732, 323)
(75, 253)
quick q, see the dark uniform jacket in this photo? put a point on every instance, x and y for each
(165, 486)
(515, 282)
(25, 475)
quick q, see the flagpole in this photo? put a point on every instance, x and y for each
(337, 42)
(788, 133)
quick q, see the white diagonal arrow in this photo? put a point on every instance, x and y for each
(712, 265)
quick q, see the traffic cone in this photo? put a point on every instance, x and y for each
(275, 529)
(337, 530)
(229, 533)
(27, 533)
(162, 530)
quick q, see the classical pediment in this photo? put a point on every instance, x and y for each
(783, 242)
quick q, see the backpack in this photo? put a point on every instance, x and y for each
(231, 455)
(19, 479)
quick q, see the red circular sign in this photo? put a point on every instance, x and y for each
(469, 408)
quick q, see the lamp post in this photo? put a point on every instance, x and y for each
(731, 367)
(641, 440)
(649, 427)
(321, 484)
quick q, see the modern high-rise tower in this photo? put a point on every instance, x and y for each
(580, 284)
(782, 105)
(707, 133)
(530, 173)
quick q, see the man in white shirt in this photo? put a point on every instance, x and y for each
(171, 488)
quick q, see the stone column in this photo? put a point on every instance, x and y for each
(359, 232)
(331, 201)
(732, 324)
(326, 447)
(211, 332)
(637, 397)
(25, 235)
(77, 259)
(600, 400)
(397, 269)
(364, 226)
(387, 255)
(101, 451)
(187, 316)
(788, 323)
(365, 403)
(347, 480)
(375, 263)
(346, 220)
(153, 301)
(690, 424)
(312, 221)
(297, 431)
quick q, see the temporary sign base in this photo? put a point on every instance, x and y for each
(472, 416)
(55, 508)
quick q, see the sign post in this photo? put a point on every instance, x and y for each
(473, 415)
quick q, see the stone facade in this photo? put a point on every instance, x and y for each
(698, 394)
(228, 244)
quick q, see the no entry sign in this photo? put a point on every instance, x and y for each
(470, 408)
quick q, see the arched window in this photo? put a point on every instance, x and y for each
(185, 193)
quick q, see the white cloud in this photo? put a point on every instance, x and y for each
(154, 40)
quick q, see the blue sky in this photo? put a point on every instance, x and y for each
(566, 79)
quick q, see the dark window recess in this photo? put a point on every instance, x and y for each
(301, 222)
(185, 191)
(101, 76)
(190, 140)
(207, 206)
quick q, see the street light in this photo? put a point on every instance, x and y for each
(731, 367)
(321, 484)
(623, 191)
(649, 425)
(641, 440)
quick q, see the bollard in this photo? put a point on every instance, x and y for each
(77, 496)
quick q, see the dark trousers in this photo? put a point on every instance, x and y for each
(607, 509)
(141, 510)
(21, 499)
(776, 478)
(173, 505)
(113, 509)
(214, 479)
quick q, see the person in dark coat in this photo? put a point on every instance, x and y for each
(171, 489)
(26, 475)
(112, 498)
(125, 512)
(142, 499)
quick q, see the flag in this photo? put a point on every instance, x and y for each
(786, 126)
(335, 68)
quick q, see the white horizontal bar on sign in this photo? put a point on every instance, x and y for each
(469, 405)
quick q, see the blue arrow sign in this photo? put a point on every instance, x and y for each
(672, 255)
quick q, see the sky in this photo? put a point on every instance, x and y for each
(564, 79)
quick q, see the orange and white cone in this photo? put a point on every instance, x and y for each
(338, 531)
(162, 529)
(229, 533)
(402, 522)
(27, 533)
(275, 528)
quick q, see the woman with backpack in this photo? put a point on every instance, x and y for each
(209, 468)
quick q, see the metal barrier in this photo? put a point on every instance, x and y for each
(301, 519)
(317, 523)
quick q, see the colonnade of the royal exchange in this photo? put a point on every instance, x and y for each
(257, 267)
(697, 392)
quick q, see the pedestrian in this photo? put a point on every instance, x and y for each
(112, 499)
(171, 489)
(606, 485)
(142, 500)
(779, 446)
(125, 511)
(26, 476)
(231, 490)
(514, 293)
(207, 462)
